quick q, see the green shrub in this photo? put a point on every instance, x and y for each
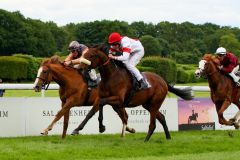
(186, 74)
(13, 68)
(32, 67)
(164, 67)
(182, 76)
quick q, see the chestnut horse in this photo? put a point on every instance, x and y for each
(223, 89)
(116, 86)
(73, 92)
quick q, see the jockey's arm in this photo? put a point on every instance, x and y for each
(78, 60)
(84, 51)
(123, 57)
(68, 58)
(228, 69)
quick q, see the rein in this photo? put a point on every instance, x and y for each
(105, 63)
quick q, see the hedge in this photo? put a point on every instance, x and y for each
(164, 67)
(13, 68)
(32, 66)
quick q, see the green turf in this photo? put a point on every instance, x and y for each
(54, 93)
(190, 145)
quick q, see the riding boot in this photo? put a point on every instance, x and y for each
(143, 84)
(237, 84)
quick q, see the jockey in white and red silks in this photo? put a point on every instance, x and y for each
(132, 52)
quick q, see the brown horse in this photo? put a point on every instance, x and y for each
(223, 90)
(116, 87)
(73, 92)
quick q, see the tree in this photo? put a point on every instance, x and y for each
(230, 43)
(151, 45)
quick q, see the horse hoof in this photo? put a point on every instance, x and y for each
(102, 129)
(132, 130)
(237, 124)
(74, 133)
(45, 133)
(232, 120)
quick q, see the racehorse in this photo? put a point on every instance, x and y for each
(223, 90)
(73, 92)
(193, 117)
(116, 86)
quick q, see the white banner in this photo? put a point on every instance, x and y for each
(29, 116)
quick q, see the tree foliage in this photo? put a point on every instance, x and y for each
(183, 42)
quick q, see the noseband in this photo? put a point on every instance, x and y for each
(45, 80)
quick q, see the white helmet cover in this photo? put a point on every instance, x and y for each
(74, 45)
(221, 50)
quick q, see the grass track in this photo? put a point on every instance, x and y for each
(191, 145)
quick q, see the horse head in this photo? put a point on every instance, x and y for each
(207, 66)
(94, 58)
(44, 76)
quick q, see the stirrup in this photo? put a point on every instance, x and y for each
(143, 84)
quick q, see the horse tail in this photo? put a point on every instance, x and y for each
(185, 93)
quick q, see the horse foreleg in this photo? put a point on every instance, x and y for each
(59, 115)
(65, 124)
(124, 117)
(102, 128)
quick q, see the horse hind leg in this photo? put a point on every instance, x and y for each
(222, 120)
(152, 125)
(236, 120)
(84, 122)
(162, 120)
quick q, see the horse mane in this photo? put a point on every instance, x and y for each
(102, 47)
(213, 58)
(53, 60)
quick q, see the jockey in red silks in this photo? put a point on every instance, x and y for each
(132, 52)
(229, 63)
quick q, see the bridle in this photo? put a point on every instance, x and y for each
(211, 73)
(45, 80)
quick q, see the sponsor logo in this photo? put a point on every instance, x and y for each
(50, 113)
(143, 112)
(3, 114)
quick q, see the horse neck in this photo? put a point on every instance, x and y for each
(63, 76)
(214, 77)
(106, 71)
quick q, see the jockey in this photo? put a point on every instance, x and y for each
(229, 63)
(76, 51)
(132, 52)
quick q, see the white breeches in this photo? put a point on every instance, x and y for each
(133, 60)
(233, 75)
(92, 74)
